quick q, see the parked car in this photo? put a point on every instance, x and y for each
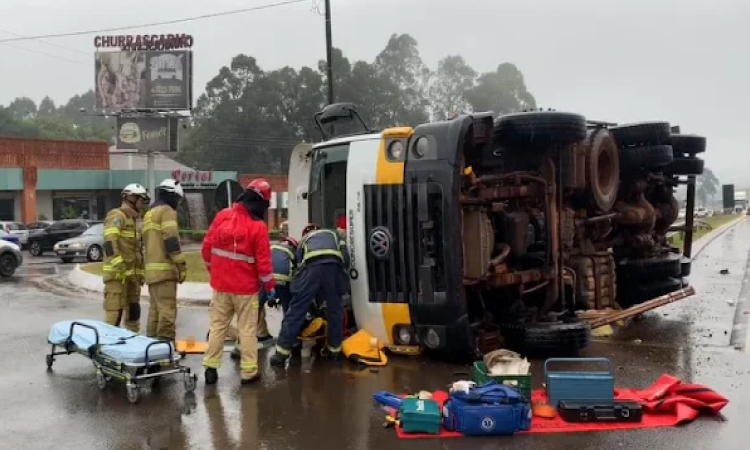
(703, 213)
(58, 231)
(10, 258)
(16, 229)
(9, 238)
(89, 244)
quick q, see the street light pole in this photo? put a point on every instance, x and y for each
(329, 52)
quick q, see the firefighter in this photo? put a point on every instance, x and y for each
(165, 264)
(322, 258)
(123, 260)
(237, 252)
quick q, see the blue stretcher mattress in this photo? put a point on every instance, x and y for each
(116, 343)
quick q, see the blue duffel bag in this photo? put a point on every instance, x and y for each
(488, 410)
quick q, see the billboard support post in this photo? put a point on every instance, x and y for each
(151, 175)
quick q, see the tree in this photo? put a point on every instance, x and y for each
(11, 126)
(47, 107)
(22, 108)
(451, 82)
(502, 91)
(706, 186)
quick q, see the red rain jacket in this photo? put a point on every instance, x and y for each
(237, 252)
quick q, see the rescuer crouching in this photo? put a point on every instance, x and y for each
(322, 257)
(237, 253)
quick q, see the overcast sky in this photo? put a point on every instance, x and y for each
(684, 61)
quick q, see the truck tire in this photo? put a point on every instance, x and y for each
(636, 293)
(636, 271)
(602, 169)
(685, 166)
(688, 144)
(643, 133)
(686, 264)
(650, 156)
(668, 214)
(539, 129)
(546, 339)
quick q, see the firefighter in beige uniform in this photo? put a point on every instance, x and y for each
(123, 260)
(165, 262)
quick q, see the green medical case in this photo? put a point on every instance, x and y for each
(420, 416)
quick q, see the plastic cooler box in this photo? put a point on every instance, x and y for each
(521, 383)
(420, 416)
(579, 385)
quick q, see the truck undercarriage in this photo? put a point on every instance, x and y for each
(560, 215)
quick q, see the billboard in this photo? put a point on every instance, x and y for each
(147, 133)
(155, 79)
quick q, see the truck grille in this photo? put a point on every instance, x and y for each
(392, 208)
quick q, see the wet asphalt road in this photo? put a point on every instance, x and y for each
(327, 406)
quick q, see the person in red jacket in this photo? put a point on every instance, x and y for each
(237, 252)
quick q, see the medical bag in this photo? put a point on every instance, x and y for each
(487, 410)
(419, 416)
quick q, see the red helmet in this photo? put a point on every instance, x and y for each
(308, 228)
(293, 242)
(261, 187)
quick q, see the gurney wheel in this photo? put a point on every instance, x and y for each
(191, 380)
(50, 361)
(101, 380)
(132, 391)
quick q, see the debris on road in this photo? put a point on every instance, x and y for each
(724, 271)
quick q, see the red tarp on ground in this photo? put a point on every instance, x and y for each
(666, 403)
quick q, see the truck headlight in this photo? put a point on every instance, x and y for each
(396, 149)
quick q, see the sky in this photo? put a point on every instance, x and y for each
(682, 61)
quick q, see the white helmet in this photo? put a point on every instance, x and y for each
(170, 185)
(135, 189)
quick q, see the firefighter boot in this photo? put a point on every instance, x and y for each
(279, 359)
(211, 375)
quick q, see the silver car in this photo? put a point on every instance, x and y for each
(89, 245)
(10, 258)
(16, 229)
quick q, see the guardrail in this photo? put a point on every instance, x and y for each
(679, 227)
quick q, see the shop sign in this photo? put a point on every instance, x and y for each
(195, 178)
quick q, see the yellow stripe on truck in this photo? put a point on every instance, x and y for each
(392, 172)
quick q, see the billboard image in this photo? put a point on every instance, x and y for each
(158, 79)
(147, 133)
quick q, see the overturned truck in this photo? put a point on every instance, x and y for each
(484, 231)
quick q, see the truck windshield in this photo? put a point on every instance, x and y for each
(327, 193)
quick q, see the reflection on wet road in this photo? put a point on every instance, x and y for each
(330, 406)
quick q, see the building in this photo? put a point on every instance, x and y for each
(43, 179)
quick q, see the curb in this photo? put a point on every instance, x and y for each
(708, 238)
(188, 292)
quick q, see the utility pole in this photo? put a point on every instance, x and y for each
(329, 52)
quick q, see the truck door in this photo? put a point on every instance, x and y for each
(299, 182)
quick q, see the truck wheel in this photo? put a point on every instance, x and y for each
(688, 144)
(643, 133)
(555, 338)
(635, 271)
(650, 156)
(540, 128)
(602, 169)
(636, 293)
(686, 264)
(685, 166)
(668, 214)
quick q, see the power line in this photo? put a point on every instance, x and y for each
(51, 55)
(47, 43)
(153, 24)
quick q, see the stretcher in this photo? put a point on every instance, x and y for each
(118, 354)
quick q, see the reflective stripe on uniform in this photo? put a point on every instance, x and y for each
(291, 256)
(127, 234)
(148, 225)
(309, 254)
(112, 231)
(283, 351)
(282, 277)
(316, 253)
(159, 267)
(169, 224)
(232, 255)
(248, 366)
(116, 261)
(266, 278)
(334, 349)
(212, 363)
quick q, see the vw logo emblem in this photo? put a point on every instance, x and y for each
(380, 242)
